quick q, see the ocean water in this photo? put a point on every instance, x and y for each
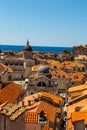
(42, 49)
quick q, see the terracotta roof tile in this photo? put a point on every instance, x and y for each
(35, 107)
(31, 115)
(7, 67)
(13, 111)
(2, 68)
(61, 73)
(70, 64)
(78, 76)
(35, 67)
(77, 103)
(69, 124)
(49, 109)
(81, 115)
(78, 88)
(3, 104)
(55, 99)
(53, 64)
(78, 96)
(10, 92)
(76, 116)
(83, 103)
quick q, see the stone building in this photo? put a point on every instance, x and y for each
(27, 58)
(46, 103)
(35, 112)
(80, 50)
(80, 54)
(10, 92)
(27, 51)
(12, 117)
(20, 64)
(3, 73)
(77, 108)
(42, 77)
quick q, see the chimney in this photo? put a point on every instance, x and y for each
(29, 102)
(22, 103)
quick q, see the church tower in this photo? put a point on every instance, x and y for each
(27, 51)
(27, 58)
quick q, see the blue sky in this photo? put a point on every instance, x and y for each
(43, 22)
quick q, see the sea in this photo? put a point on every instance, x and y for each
(42, 49)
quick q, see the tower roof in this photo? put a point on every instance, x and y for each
(27, 47)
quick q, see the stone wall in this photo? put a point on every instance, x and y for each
(42, 80)
(16, 75)
(79, 125)
(27, 54)
(27, 72)
(33, 126)
(4, 76)
(63, 83)
(79, 50)
(7, 124)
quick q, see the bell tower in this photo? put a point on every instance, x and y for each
(27, 51)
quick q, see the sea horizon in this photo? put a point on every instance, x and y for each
(7, 44)
(42, 49)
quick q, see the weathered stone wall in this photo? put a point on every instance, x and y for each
(27, 54)
(27, 72)
(4, 77)
(79, 125)
(16, 75)
(42, 79)
(7, 124)
(79, 50)
(33, 126)
(62, 83)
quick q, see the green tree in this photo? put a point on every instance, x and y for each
(71, 58)
(66, 51)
